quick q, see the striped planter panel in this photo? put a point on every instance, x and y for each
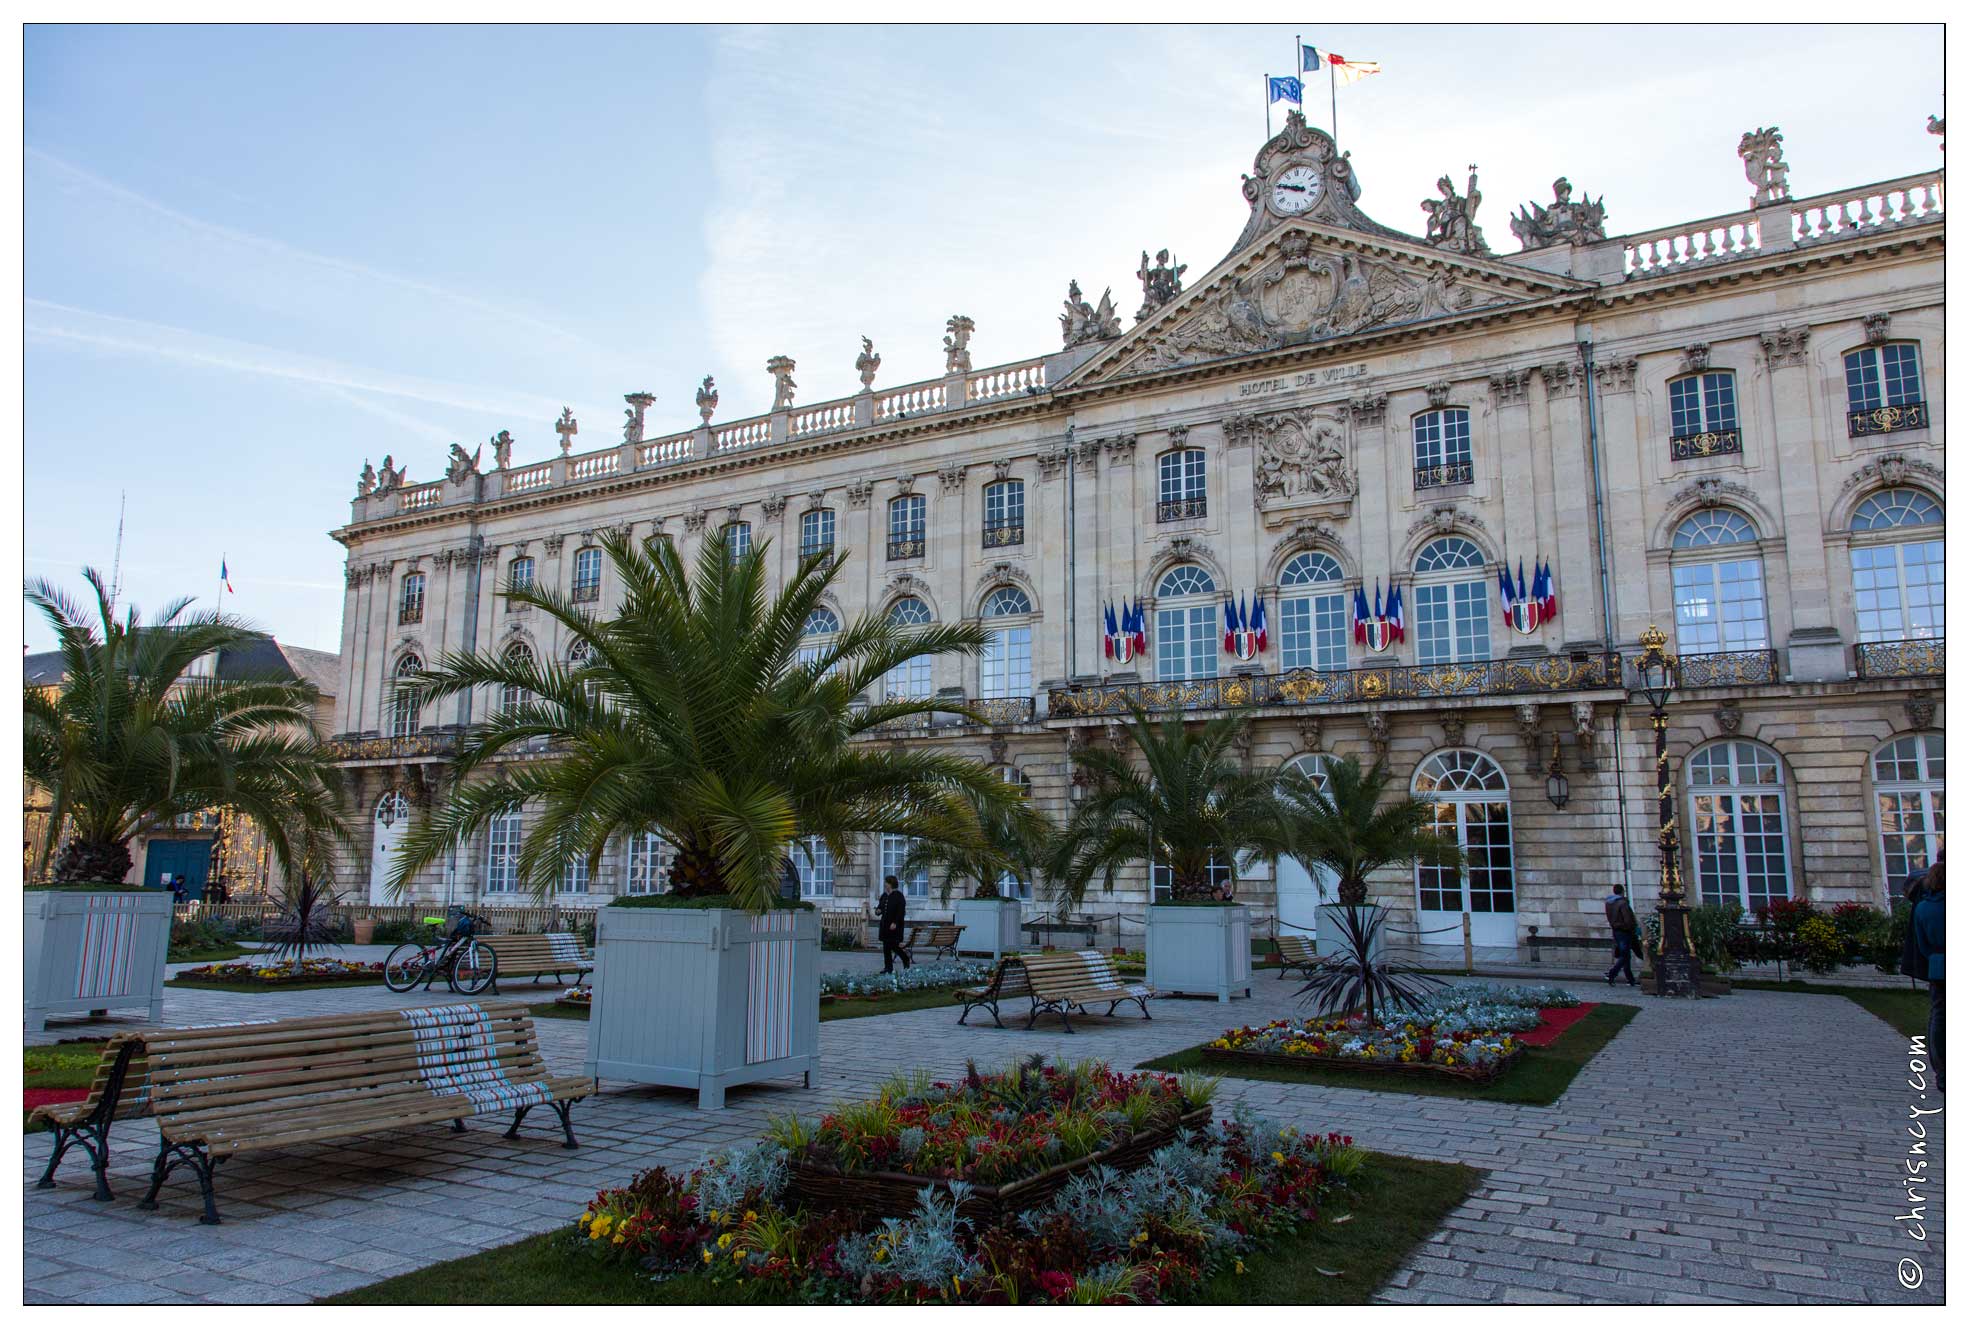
(109, 940)
(769, 990)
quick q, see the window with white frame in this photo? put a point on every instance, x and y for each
(577, 660)
(1718, 578)
(1442, 447)
(1908, 804)
(814, 861)
(519, 577)
(1004, 514)
(1878, 376)
(574, 875)
(1188, 616)
(1181, 490)
(895, 848)
(907, 525)
(1005, 666)
(823, 624)
(1470, 802)
(1703, 403)
(817, 532)
(648, 868)
(910, 679)
(404, 710)
(1737, 817)
(1011, 885)
(588, 573)
(1452, 603)
(738, 540)
(1160, 878)
(1897, 566)
(518, 656)
(1312, 613)
(410, 606)
(502, 854)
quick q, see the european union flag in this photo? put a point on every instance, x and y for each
(1286, 90)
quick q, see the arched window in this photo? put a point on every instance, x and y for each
(814, 861)
(1897, 566)
(1005, 514)
(1005, 667)
(738, 540)
(404, 710)
(519, 577)
(817, 532)
(502, 854)
(895, 848)
(1907, 801)
(906, 526)
(1312, 614)
(911, 678)
(1010, 884)
(1181, 490)
(1187, 615)
(1702, 411)
(519, 656)
(574, 875)
(822, 625)
(588, 573)
(1736, 812)
(410, 605)
(649, 858)
(1452, 603)
(1471, 803)
(1442, 447)
(577, 660)
(1718, 577)
(1883, 389)
(1303, 887)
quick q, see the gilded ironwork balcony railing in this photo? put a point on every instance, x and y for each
(1919, 657)
(910, 546)
(587, 591)
(1002, 710)
(808, 548)
(1181, 509)
(410, 613)
(1709, 443)
(1313, 687)
(991, 711)
(1449, 473)
(1887, 419)
(359, 747)
(1726, 669)
(1004, 534)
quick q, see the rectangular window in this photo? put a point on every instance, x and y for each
(1442, 448)
(521, 577)
(588, 574)
(1160, 878)
(817, 532)
(574, 876)
(1897, 591)
(502, 854)
(906, 526)
(1452, 623)
(1313, 632)
(815, 864)
(895, 848)
(1878, 376)
(738, 540)
(1703, 416)
(1720, 607)
(1180, 486)
(649, 865)
(1187, 641)
(410, 609)
(1005, 667)
(1005, 514)
(909, 680)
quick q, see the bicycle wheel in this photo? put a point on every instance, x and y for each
(405, 968)
(474, 969)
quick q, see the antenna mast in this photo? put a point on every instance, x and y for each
(116, 566)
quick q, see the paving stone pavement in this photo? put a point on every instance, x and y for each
(1743, 1150)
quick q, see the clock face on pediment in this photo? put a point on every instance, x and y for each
(1295, 189)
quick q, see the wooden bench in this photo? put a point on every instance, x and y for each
(1007, 980)
(1296, 953)
(1043, 932)
(941, 938)
(1603, 943)
(844, 923)
(220, 1092)
(119, 1091)
(536, 955)
(1069, 980)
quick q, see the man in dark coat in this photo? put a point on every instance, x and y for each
(889, 914)
(1626, 935)
(1925, 930)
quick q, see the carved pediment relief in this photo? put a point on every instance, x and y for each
(1302, 456)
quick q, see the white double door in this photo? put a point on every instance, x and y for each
(392, 820)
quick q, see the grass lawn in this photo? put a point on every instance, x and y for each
(1396, 1204)
(61, 1066)
(1539, 1078)
(1904, 1008)
(838, 1009)
(206, 955)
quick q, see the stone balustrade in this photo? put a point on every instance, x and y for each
(664, 451)
(912, 400)
(1026, 379)
(1653, 252)
(415, 498)
(1912, 198)
(530, 477)
(742, 434)
(1902, 202)
(824, 418)
(594, 465)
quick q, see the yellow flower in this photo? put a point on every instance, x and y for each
(1277, 1157)
(750, 1215)
(619, 1238)
(707, 1255)
(1240, 1266)
(725, 1241)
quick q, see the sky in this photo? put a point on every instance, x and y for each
(257, 257)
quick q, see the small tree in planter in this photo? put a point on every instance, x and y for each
(1346, 823)
(1008, 844)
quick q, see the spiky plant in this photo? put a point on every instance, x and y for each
(131, 739)
(1010, 839)
(1190, 805)
(693, 717)
(308, 921)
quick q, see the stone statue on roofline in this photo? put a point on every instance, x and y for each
(366, 482)
(1083, 322)
(1453, 217)
(1161, 281)
(389, 477)
(502, 449)
(707, 398)
(567, 428)
(1764, 166)
(957, 344)
(1563, 222)
(781, 368)
(867, 363)
(462, 465)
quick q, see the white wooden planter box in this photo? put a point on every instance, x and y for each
(1204, 950)
(705, 998)
(991, 927)
(95, 951)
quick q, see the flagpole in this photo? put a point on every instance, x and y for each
(1333, 97)
(219, 598)
(1268, 108)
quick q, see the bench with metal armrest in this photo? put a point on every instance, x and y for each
(537, 955)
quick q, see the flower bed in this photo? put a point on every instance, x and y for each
(1350, 1042)
(577, 996)
(1013, 1137)
(1202, 1202)
(916, 978)
(279, 973)
(1478, 1008)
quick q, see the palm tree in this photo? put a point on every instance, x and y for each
(1011, 839)
(693, 717)
(132, 740)
(1346, 824)
(1192, 808)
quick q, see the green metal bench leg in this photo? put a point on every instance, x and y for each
(457, 1125)
(567, 1122)
(519, 1115)
(170, 1157)
(92, 1132)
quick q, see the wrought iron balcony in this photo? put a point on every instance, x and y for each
(1004, 534)
(373, 747)
(411, 613)
(908, 546)
(1181, 509)
(1002, 710)
(808, 548)
(1449, 473)
(1919, 657)
(1726, 669)
(1709, 443)
(1887, 419)
(1313, 687)
(587, 591)
(993, 712)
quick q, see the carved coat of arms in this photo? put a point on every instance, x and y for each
(1301, 456)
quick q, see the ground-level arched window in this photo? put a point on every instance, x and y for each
(823, 624)
(1470, 799)
(648, 868)
(1737, 818)
(1187, 617)
(1304, 887)
(403, 697)
(1718, 577)
(1011, 885)
(502, 854)
(1005, 665)
(1907, 803)
(814, 861)
(1897, 566)
(909, 680)
(1312, 614)
(895, 848)
(1452, 603)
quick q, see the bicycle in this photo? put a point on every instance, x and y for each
(457, 957)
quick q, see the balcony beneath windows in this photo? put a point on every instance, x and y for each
(1709, 443)
(1181, 509)
(1449, 473)
(1313, 687)
(1004, 534)
(1726, 669)
(360, 747)
(1887, 419)
(410, 614)
(587, 594)
(991, 713)
(910, 546)
(809, 548)
(1915, 658)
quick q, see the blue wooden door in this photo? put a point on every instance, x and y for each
(193, 858)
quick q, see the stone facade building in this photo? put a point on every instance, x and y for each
(1731, 429)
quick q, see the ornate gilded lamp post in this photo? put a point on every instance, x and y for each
(1676, 967)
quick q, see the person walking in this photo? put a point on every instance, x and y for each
(890, 913)
(1925, 929)
(1626, 935)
